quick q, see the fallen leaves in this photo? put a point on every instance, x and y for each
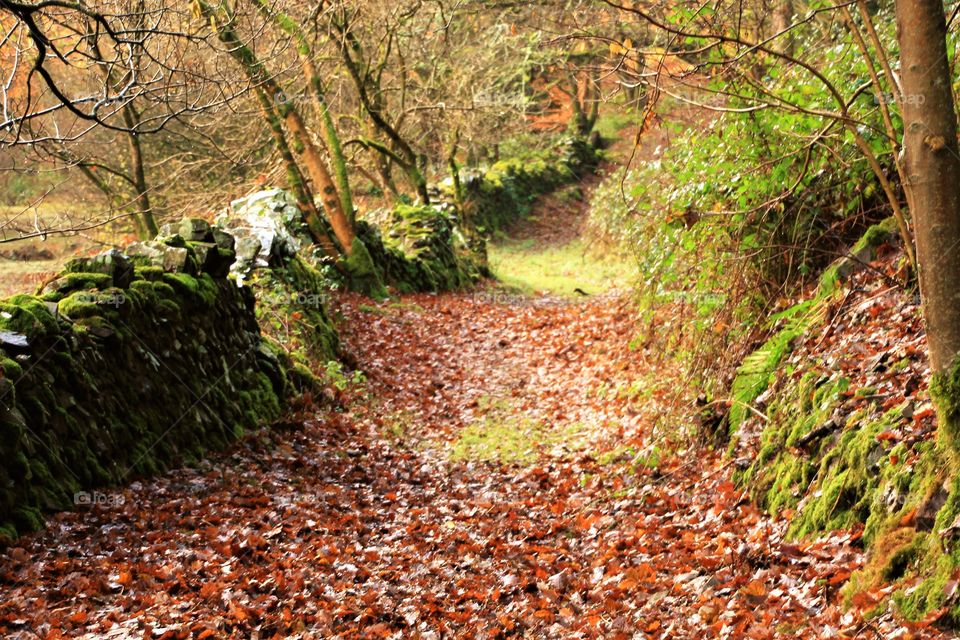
(358, 525)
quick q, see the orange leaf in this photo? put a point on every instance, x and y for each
(80, 617)
(627, 585)
(838, 577)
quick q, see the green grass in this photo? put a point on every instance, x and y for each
(558, 269)
(512, 439)
(612, 122)
(504, 435)
(19, 275)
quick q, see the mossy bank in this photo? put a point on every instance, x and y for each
(844, 436)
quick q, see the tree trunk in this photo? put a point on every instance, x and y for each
(329, 130)
(148, 223)
(295, 177)
(289, 26)
(320, 177)
(782, 19)
(932, 168)
(274, 106)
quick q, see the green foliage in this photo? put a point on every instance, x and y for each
(746, 205)
(340, 379)
(505, 191)
(291, 310)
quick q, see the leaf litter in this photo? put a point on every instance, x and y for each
(358, 523)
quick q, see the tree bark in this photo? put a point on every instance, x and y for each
(320, 177)
(274, 103)
(932, 168)
(289, 26)
(782, 18)
(295, 177)
(405, 157)
(148, 222)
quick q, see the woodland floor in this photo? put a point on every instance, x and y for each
(494, 477)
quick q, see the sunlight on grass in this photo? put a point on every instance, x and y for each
(559, 270)
(25, 264)
(513, 439)
(503, 435)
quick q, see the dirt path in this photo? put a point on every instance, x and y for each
(491, 479)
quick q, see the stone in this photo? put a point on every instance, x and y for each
(273, 218)
(195, 230)
(170, 258)
(248, 248)
(112, 263)
(213, 259)
(13, 341)
(224, 240)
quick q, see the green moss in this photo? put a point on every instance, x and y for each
(81, 304)
(8, 533)
(201, 288)
(754, 374)
(876, 235)
(149, 272)
(363, 273)
(70, 282)
(945, 393)
(935, 558)
(27, 519)
(11, 369)
(28, 316)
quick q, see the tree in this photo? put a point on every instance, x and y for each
(927, 170)
(315, 85)
(279, 112)
(932, 172)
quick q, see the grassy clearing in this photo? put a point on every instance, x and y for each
(558, 270)
(504, 435)
(613, 122)
(513, 440)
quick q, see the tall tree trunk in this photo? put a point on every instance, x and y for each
(320, 176)
(782, 19)
(405, 157)
(289, 26)
(273, 102)
(932, 168)
(932, 174)
(295, 176)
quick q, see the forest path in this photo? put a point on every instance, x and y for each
(492, 478)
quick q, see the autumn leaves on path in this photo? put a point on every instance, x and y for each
(495, 477)
(491, 479)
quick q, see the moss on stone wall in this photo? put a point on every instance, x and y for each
(441, 246)
(121, 368)
(291, 309)
(756, 371)
(504, 192)
(420, 248)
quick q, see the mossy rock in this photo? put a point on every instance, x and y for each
(28, 316)
(363, 273)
